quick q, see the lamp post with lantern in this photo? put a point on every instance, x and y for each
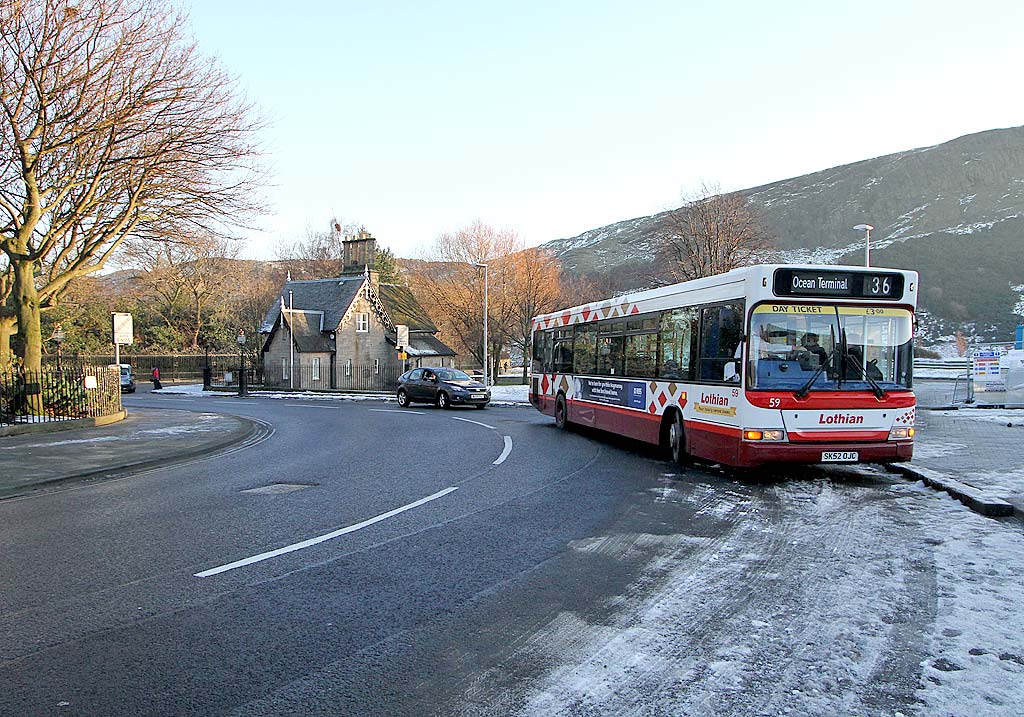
(241, 357)
(58, 338)
(866, 228)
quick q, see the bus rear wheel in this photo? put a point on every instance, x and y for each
(561, 413)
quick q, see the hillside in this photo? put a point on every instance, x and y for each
(954, 212)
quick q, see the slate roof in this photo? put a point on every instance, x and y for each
(426, 344)
(404, 309)
(332, 296)
(306, 331)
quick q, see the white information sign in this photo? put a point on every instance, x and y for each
(987, 371)
(122, 328)
(403, 336)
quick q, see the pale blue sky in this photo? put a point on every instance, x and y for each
(551, 118)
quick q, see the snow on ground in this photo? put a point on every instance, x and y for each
(816, 599)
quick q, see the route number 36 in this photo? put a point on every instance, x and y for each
(880, 285)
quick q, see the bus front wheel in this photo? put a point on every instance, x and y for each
(677, 439)
(561, 413)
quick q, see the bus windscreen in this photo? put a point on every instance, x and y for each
(844, 348)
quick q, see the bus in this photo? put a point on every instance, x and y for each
(764, 364)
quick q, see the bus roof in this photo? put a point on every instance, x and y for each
(720, 287)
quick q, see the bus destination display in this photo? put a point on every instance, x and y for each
(867, 285)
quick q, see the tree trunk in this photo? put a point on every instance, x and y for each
(29, 339)
(8, 327)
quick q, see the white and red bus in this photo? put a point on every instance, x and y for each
(764, 364)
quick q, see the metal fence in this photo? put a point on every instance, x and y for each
(369, 377)
(173, 367)
(59, 395)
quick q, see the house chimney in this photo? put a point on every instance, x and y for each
(360, 253)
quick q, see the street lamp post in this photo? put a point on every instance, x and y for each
(487, 368)
(241, 358)
(866, 228)
(58, 338)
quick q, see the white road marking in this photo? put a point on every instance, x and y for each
(504, 453)
(397, 410)
(323, 538)
(477, 423)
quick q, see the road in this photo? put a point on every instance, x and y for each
(367, 560)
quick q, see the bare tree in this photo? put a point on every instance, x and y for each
(536, 288)
(315, 255)
(521, 283)
(712, 233)
(186, 282)
(451, 289)
(114, 125)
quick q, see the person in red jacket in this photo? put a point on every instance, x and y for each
(156, 379)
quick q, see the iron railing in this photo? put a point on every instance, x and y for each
(369, 377)
(59, 395)
(173, 367)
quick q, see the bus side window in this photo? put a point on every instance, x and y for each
(677, 339)
(563, 351)
(720, 332)
(585, 351)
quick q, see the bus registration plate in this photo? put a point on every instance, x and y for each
(839, 456)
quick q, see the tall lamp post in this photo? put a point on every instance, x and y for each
(58, 338)
(487, 368)
(241, 358)
(866, 228)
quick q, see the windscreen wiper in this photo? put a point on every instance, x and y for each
(806, 388)
(875, 387)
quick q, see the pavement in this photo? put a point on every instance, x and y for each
(981, 449)
(146, 438)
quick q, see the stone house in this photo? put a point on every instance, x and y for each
(342, 333)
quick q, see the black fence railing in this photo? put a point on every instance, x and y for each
(305, 377)
(173, 367)
(51, 395)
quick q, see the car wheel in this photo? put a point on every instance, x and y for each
(677, 440)
(481, 405)
(442, 400)
(561, 412)
(403, 398)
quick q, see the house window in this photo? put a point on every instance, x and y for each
(316, 369)
(362, 322)
(376, 365)
(348, 367)
(284, 369)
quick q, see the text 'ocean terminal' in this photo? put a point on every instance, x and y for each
(821, 283)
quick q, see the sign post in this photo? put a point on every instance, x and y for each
(402, 342)
(122, 331)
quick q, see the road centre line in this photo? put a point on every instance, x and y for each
(504, 453)
(323, 538)
(476, 423)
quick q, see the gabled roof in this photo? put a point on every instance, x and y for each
(403, 308)
(331, 296)
(307, 331)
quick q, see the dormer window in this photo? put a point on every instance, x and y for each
(362, 323)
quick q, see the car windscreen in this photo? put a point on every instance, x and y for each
(451, 374)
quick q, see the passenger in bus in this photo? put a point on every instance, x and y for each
(813, 354)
